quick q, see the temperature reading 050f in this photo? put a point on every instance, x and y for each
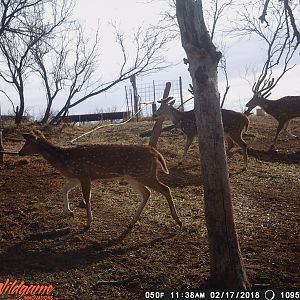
(154, 295)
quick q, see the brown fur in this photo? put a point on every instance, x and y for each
(81, 164)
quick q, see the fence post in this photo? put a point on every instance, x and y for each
(154, 100)
(127, 100)
(135, 95)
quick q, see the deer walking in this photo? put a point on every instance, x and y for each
(283, 110)
(138, 165)
(234, 125)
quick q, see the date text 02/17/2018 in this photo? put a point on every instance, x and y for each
(210, 295)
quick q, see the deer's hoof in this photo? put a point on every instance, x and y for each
(179, 222)
(179, 165)
(86, 227)
(69, 213)
(273, 149)
(82, 204)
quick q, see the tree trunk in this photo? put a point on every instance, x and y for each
(19, 114)
(227, 270)
(1, 147)
(157, 128)
(21, 108)
(61, 113)
(47, 114)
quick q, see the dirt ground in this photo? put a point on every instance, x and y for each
(161, 255)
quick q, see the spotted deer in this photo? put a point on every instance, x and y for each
(234, 125)
(82, 164)
(283, 110)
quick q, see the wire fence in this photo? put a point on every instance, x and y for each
(149, 93)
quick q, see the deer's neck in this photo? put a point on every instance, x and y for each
(175, 115)
(51, 153)
(265, 104)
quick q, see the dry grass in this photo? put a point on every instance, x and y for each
(265, 199)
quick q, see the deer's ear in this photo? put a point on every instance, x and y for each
(29, 137)
(169, 98)
(172, 102)
(165, 100)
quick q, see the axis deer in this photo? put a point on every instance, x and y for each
(283, 110)
(234, 125)
(137, 164)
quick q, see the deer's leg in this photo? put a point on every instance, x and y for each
(86, 191)
(281, 125)
(165, 190)
(237, 138)
(285, 127)
(230, 143)
(69, 185)
(145, 193)
(189, 141)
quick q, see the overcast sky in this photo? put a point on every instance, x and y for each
(240, 53)
(130, 14)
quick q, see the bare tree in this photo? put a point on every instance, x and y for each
(49, 63)
(66, 65)
(147, 57)
(17, 60)
(288, 8)
(279, 46)
(37, 24)
(12, 13)
(213, 14)
(227, 270)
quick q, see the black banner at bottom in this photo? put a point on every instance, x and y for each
(210, 295)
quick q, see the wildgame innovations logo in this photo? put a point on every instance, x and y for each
(18, 289)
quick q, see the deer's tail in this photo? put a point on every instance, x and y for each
(246, 124)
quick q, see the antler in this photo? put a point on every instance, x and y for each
(268, 85)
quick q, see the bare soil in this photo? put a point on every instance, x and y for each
(162, 256)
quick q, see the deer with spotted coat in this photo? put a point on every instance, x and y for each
(234, 124)
(283, 110)
(82, 164)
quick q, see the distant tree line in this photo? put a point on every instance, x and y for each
(40, 39)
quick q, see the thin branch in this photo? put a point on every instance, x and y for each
(262, 17)
(10, 100)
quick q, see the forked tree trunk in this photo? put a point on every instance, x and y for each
(157, 128)
(227, 270)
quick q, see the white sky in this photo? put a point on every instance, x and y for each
(130, 14)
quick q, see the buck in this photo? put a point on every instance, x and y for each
(82, 164)
(283, 110)
(234, 124)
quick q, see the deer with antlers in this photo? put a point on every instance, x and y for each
(283, 110)
(82, 164)
(234, 124)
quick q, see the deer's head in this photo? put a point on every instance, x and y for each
(164, 110)
(260, 94)
(30, 147)
(255, 100)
